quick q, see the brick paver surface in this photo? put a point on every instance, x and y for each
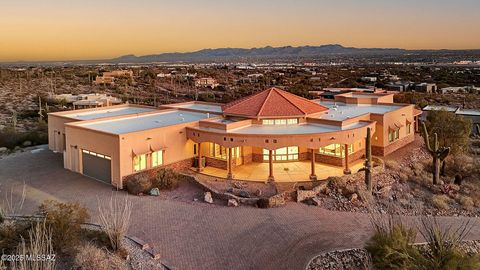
(195, 235)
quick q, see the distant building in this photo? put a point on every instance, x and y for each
(398, 86)
(87, 100)
(369, 79)
(119, 74)
(426, 87)
(474, 115)
(459, 89)
(206, 82)
(101, 80)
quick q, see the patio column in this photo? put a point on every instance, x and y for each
(270, 166)
(313, 176)
(229, 164)
(200, 167)
(346, 170)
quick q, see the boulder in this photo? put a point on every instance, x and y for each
(320, 188)
(27, 143)
(154, 192)
(3, 149)
(232, 203)
(316, 201)
(354, 197)
(258, 192)
(244, 194)
(229, 190)
(208, 197)
(302, 195)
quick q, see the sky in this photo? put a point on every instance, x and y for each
(34, 30)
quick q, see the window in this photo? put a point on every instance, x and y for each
(96, 154)
(218, 151)
(139, 163)
(409, 128)
(291, 121)
(282, 154)
(157, 158)
(393, 135)
(337, 150)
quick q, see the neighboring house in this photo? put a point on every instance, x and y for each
(108, 78)
(101, 80)
(369, 79)
(87, 100)
(398, 86)
(471, 114)
(206, 82)
(459, 89)
(272, 126)
(426, 87)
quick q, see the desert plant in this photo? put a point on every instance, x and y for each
(444, 246)
(139, 184)
(466, 202)
(115, 219)
(367, 167)
(438, 153)
(90, 257)
(391, 245)
(166, 179)
(441, 202)
(65, 221)
(39, 245)
(11, 205)
(11, 235)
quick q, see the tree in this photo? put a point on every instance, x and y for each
(452, 130)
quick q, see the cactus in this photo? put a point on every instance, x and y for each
(477, 128)
(367, 166)
(438, 153)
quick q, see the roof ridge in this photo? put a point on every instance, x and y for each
(235, 102)
(265, 101)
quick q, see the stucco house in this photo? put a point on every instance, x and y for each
(261, 131)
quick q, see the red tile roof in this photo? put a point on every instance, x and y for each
(272, 102)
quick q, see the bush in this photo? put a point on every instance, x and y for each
(391, 164)
(90, 257)
(441, 202)
(391, 245)
(166, 179)
(11, 235)
(466, 202)
(337, 182)
(64, 219)
(139, 184)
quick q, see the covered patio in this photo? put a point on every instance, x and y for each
(298, 171)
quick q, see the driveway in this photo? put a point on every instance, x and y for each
(195, 235)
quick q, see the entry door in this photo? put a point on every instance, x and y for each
(74, 158)
(97, 166)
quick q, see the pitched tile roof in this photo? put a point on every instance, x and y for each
(272, 102)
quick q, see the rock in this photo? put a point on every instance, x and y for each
(229, 190)
(244, 194)
(353, 197)
(316, 201)
(232, 203)
(195, 199)
(258, 192)
(208, 197)
(3, 149)
(27, 143)
(320, 188)
(154, 192)
(385, 191)
(302, 195)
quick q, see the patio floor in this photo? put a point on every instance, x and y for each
(283, 172)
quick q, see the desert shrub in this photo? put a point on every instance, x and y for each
(463, 165)
(166, 179)
(11, 235)
(403, 177)
(466, 202)
(444, 246)
(365, 195)
(441, 202)
(139, 184)
(423, 178)
(39, 243)
(97, 237)
(90, 257)
(115, 219)
(418, 168)
(391, 245)
(64, 219)
(263, 203)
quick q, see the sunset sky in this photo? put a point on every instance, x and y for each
(88, 29)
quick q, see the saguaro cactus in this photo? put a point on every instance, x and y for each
(367, 166)
(477, 129)
(438, 153)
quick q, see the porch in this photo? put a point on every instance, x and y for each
(297, 171)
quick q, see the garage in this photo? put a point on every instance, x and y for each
(97, 166)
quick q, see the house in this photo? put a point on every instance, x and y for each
(206, 82)
(426, 87)
(471, 114)
(245, 137)
(87, 100)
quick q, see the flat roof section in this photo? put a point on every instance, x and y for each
(298, 129)
(145, 122)
(339, 111)
(198, 107)
(107, 112)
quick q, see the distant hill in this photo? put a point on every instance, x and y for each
(265, 52)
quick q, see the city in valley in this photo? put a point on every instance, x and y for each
(275, 155)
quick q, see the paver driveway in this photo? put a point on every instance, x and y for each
(195, 235)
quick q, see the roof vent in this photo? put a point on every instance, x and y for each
(183, 119)
(208, 115)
